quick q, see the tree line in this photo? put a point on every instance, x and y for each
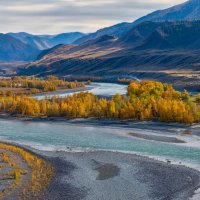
(146, 100)
(36, 85)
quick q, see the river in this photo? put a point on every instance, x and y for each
(100, 89)
(55, 136)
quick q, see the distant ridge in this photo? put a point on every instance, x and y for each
(173, 28)
(42, 42)
(164, 35)
(148, 46)
(12, 49)
(188, 11)
(116, 31)
(26, 47)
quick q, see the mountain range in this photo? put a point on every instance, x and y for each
(188, 11)
(26, 47)
(42, 42)
(163, 45)
(12, 49)
(148, 46)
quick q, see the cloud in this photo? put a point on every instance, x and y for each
(55, 16)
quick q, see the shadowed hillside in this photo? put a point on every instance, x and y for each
(12, 49)
(150, 50)
(190, 11)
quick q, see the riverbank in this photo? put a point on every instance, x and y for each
(23, 174)
(62, 92)
(111, 175)
(83, 174)
(117, 123)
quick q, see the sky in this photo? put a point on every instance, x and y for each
(58, 16)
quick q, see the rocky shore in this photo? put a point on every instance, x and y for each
(104, 175)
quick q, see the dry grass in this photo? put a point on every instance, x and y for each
(39, 171)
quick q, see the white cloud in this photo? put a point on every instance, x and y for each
(54, 16)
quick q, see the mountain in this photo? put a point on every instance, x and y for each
(116, 31)
(58, 50)
(166, 35)
(39, 42)
(188, 11)
(66, 38)
(157, 50)
(129, 34)
(137, 34)
(12, 49)
(47, 41)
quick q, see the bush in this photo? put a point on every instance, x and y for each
(17, 175)
(5, 158)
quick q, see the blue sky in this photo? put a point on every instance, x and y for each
(56, 16)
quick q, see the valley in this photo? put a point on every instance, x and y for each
(111, 113)
(145, 52)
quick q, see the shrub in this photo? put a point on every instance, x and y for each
(5, 158)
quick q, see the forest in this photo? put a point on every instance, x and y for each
(146, 100)
(32, 85)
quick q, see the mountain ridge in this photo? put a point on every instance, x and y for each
(187, 11)
(26, 47)
(156, 44)
(12, 49)
(43, 42)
